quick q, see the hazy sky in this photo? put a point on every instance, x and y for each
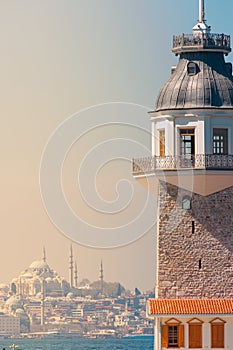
(57, 58)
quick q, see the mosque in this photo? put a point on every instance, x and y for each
(40, 277)
(191, 170)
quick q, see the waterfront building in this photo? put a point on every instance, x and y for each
(191, 170)
(9, 325)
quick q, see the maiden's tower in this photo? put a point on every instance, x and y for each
(191, 169)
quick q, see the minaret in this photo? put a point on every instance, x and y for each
(101, 277)
(192, 172)
(76, 275)
(44, 254)
(71, 267)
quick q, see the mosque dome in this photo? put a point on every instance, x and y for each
(19, 311)
(70, 295)
(27, 274)
(13, 302)
(29, 282)
(38, 295)
(4, 287)
(201, 80)
(37, 276)
(39, 265)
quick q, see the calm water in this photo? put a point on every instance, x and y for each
(76, 344)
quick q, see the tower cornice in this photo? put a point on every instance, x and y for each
(191, 113)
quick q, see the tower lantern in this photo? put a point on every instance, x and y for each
(191, 168)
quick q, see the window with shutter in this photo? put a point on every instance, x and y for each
(217, 333)
(195, 333)
(165, 336)
(162, 143)
(173, 340)
(220, 141)
(181, 336)
(173, 334)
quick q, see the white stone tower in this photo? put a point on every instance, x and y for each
(192, 170)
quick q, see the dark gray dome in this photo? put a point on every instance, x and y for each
(200, 80)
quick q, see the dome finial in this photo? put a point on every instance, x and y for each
(201, 26)
(201, 11)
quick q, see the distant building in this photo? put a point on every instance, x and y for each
(192, 170)
(29, 283)
(9, 325)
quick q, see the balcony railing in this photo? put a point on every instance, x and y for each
(198, 161)
(192, 42)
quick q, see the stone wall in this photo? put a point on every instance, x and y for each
(196, 245)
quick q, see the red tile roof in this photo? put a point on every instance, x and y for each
(190, 306)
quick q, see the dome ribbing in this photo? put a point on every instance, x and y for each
(211, 86)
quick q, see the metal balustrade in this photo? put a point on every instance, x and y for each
(221, 42)
(198, 161)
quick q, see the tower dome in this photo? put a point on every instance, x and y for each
(202, 78)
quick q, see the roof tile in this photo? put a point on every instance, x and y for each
(190, 306)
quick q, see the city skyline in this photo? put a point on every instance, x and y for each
(61, 57)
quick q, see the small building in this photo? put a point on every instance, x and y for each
(194, 323)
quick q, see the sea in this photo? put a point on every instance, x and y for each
(79, 344)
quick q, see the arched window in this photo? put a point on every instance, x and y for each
(186, 203)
